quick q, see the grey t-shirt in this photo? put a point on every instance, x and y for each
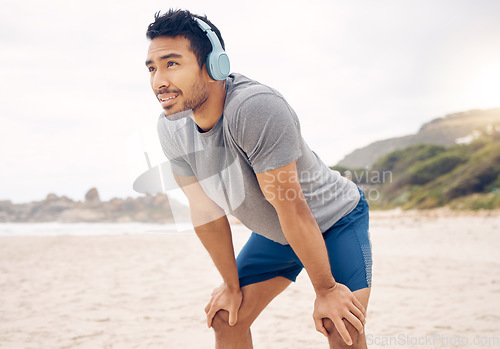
(257, 132)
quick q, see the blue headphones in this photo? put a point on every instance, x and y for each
(217, 60)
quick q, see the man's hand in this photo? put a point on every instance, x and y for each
(227, 298)
(339, 303)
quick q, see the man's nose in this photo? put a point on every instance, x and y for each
(159, 81)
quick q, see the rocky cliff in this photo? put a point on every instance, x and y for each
(156, 208)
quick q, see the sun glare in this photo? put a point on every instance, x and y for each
(484, 88)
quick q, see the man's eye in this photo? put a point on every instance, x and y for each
(151, 69)
(171, 64)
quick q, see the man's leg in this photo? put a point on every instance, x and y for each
(255, 298)
(358, 340)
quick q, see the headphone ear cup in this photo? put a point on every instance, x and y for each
(218, 66)
(217, 61)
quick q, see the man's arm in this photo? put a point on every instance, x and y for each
(212, 228)
(282, 189)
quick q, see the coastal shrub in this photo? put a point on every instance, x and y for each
(426, 176)
(425, 171)
(487, 201)
(478, 175)
(400, 160)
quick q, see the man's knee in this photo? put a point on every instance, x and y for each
(220, 323)
(334, 337)
(330, 327)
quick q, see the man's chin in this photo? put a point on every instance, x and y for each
(176, 115)
(170, 110)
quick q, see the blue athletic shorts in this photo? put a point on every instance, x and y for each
(347, 242)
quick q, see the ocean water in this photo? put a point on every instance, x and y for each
(90, 229)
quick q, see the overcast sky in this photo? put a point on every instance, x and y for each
(74, 88)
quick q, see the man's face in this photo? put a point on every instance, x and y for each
(176, 78)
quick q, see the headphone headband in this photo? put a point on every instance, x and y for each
(217, 61)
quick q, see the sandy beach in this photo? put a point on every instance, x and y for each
(436, 285)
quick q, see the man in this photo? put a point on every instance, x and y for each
(235, 147)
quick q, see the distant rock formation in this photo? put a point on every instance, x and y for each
(92, 196)
(148, 209)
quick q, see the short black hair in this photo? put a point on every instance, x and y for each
(181, 23)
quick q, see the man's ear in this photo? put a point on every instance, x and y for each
(206, 76)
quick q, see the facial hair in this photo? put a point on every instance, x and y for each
(197, 97)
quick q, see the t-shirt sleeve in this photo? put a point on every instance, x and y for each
(268, 131)
(174, 154)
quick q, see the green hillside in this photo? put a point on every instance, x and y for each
(465, 176)
(443, 131)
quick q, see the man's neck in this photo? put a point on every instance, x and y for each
(208, 115)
